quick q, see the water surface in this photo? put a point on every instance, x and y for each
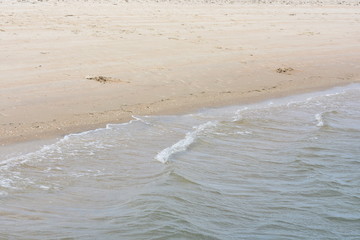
(283, 169)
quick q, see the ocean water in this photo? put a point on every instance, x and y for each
(282, 169)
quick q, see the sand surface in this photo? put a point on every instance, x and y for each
(68, 66)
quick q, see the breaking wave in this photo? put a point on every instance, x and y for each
(184, 143)
(319, 119)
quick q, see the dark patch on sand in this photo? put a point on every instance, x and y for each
(102, 79)
(286, 70)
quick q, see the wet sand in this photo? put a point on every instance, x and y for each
(72, 66)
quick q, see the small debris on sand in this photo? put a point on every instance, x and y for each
(284, 70)
(102, 79)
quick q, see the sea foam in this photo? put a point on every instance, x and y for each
(184, 143)
(319, 119)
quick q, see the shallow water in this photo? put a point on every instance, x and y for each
(283, 169)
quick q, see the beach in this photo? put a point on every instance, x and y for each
(285, 168)
(71, 66)
(179, 120)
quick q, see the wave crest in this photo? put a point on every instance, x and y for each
(184, 143)
(319, 119)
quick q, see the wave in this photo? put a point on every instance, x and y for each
(184, 143)
(238, 114)
(137, 118)
(319, 119)
(56, 147)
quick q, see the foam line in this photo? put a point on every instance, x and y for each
(319, 119)
(184, 143)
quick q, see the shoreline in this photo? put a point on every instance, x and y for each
(11, 149)
(68, 69)
(55, 135)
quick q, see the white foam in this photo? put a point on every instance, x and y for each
(243, 133)
(6, 183)
(140, 119)
(184, 143)
(238, 115)
(39, 154)
(319, 119)
(43, 187)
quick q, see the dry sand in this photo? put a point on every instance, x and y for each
(68, 66)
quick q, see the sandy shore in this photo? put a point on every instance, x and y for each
(70, 66)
